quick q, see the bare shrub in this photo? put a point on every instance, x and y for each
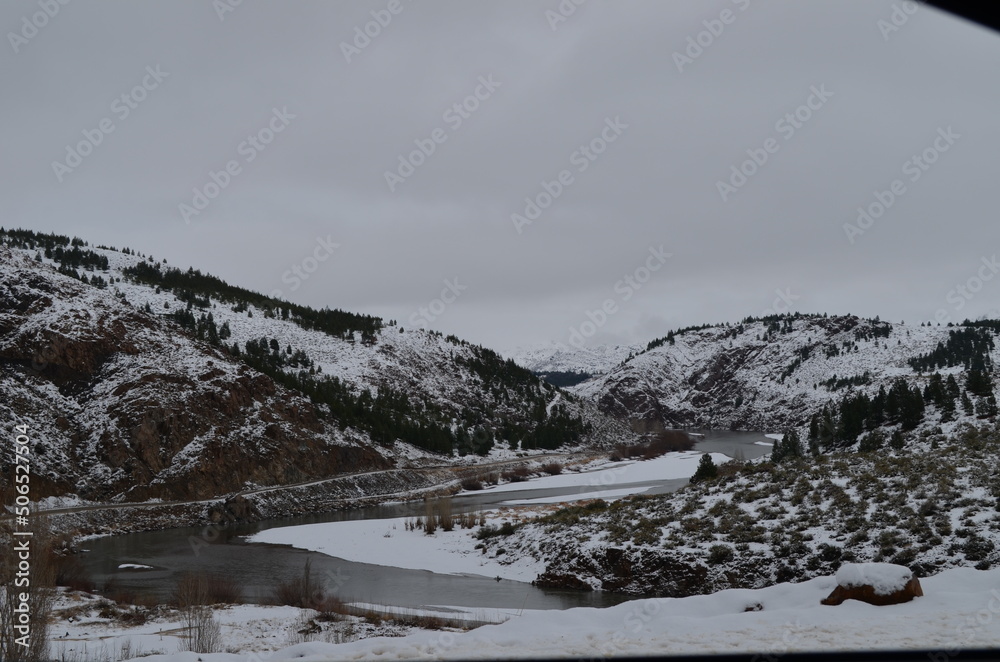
(71, 574)
(305, 592)
(204, 633)
(224, 589)
(430, 519)
(445, 519)
(41, 579)
(552, 468)
(191, 591)
(467, 520)
(517, 475)
(200, 588)
(472, 484)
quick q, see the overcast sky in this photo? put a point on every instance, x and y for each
(116, 115)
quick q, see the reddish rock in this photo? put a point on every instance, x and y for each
(866, 593)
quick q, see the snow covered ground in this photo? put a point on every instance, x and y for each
(89, 636)
(960, 609)
(388, 542)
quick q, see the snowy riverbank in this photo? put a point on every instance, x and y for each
(388, 542)
(960, 608)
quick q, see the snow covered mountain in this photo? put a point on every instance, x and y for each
(139, 381)
(774, 373)
(558, 357)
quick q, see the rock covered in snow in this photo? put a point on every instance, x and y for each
(875, 583)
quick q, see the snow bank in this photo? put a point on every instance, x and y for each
(885, 578)
(960, 610)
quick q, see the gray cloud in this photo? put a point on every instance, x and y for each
(656, 184)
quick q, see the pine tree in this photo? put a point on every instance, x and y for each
(967, 404)
(948, 410)
(706, 470)
(978, 383)
(952, 387)
(871, 442)
(896, 441)
(986, 407)
(827, 429)
(791, 444)
(778, 451)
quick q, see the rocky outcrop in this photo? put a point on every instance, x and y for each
(636, 572)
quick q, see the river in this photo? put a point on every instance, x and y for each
(257, 568)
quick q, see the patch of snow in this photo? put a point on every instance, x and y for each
(388, 542)
(608, 495)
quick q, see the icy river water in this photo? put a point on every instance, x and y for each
(259, 567)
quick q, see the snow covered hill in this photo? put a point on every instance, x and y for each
(767, 374)
(120, 405)
(557, 357)
(123, 403)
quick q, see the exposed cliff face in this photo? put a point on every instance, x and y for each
(121, 405)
